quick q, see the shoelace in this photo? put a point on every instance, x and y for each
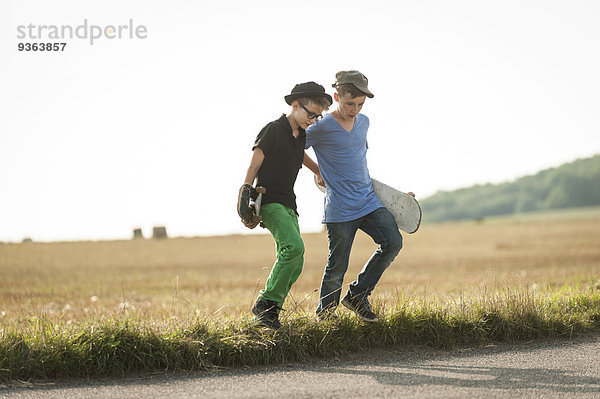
(273, 309)
(364, 303)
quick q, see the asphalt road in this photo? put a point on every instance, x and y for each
(558, 369)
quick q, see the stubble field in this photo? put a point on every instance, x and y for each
(182, 278)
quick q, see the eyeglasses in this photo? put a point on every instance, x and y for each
(311, 115)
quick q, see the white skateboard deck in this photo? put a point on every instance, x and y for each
(405, 208)
(258, 202)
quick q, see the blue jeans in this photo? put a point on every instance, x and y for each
(381, 227)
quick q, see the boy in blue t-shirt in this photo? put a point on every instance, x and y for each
(340, 144)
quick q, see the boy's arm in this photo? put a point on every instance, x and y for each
(258, 157)
(312, 165)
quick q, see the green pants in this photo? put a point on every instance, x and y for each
(282, 222)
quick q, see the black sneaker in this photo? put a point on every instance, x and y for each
(266, 313)
(361, 306)
(327, 315)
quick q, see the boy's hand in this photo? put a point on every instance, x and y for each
(319, 180)
(256, 219)
(411, 194)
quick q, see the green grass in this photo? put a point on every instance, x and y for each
(127, 346)
(549, 215)
(84, 310)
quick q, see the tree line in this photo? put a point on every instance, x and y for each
(570, 185)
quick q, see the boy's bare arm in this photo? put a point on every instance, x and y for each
(312, 165)
(257, 159)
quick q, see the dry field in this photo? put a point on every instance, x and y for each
(185, 277)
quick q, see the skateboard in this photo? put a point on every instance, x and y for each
(404, 207)
(249, 202)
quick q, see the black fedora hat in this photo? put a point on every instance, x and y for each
(308, 89)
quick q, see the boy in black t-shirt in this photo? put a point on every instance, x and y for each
(278, 153)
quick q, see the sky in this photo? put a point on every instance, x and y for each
(157, 129)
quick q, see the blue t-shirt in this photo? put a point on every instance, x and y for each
(342, 158)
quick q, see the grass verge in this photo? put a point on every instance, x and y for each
(127, 346)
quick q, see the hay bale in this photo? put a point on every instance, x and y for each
(159, 232)
(137, 233)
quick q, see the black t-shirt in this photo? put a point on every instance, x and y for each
(284, 154)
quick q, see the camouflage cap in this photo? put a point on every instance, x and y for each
(355, 78)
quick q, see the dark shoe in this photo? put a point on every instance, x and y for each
(361, 306)
(327, 315)
(266, 313)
